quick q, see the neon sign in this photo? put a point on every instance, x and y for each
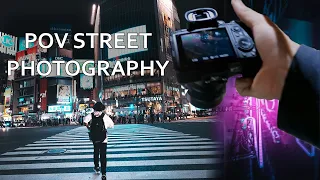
(273, 130)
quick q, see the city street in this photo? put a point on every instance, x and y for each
(180, 150)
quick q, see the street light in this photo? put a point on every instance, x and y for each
(95, 21)
(93, 14)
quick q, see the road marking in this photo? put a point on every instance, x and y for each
(112, 164)
(120, 136)
(129, 146)
(132, 139)
(111, 142)
(121, 149)
(154, 175)
(119, 145)
(131, 155)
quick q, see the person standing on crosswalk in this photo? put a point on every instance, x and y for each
(97, 124)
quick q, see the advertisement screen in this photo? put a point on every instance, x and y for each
(125, 91)
(7, 96)
(55, 69)
(8, 44)
(154, 88)
(166, 17)
(86, 82)
(88, 66)
(173, 92)
(27, 56)
(64, 93)
(112, 53)
(61, 29)
(22, 44)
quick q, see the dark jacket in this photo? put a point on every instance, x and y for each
(299, 108)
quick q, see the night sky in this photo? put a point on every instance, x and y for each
(21, 16)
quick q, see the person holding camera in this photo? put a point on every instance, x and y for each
(290, 73)
(97, 124)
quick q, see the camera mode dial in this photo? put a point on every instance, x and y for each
(245, 44)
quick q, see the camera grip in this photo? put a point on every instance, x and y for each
(246, 28)
(250, 67)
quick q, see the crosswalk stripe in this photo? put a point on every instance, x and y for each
(141, 175)
(124, 135)
(112, 164)
(127, 135)
(118, 145)
(133, 139)
(154, 154)
(130, 133)
(144, 151)
(119, 149)
(120, 142)
(118, 137)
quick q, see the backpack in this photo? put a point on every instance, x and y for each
(97, 129)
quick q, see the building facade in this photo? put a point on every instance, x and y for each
(136, 93)
(8, 49)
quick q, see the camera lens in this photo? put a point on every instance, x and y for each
(206, 95)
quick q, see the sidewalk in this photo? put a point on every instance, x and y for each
(199, 118)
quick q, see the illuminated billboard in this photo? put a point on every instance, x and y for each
(7, 96)
(64, 94)
(54, 67)
(112, 53)
(88, 66)
(86, 82)
(8, 44)
(66, 51)
(58, 108)
(166, 14)
(22, 44)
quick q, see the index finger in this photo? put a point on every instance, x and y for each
(248, 16)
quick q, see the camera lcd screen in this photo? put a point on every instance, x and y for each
(207, 45)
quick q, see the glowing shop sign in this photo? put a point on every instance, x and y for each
(273, 130)
(148, 99)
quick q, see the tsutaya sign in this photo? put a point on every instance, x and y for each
(148, 99)
(8, 44)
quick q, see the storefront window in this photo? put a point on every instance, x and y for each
(154, 88)
(26, 101)
(173, 92)
(135, 75)
(125, 91)
(25, 84)
(26, 92)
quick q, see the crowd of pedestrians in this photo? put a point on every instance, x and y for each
(147, 118)
(143, 117)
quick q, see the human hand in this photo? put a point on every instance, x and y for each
(276, 50)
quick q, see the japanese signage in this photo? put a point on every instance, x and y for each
(8, 44)
(58, 108)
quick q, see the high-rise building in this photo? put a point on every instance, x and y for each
(57, 90)
(25, 85)
(139, 93)
(8, 49)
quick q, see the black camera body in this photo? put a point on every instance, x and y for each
(209, 52)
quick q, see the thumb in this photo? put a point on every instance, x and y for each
(243, 86)
(248, 16)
